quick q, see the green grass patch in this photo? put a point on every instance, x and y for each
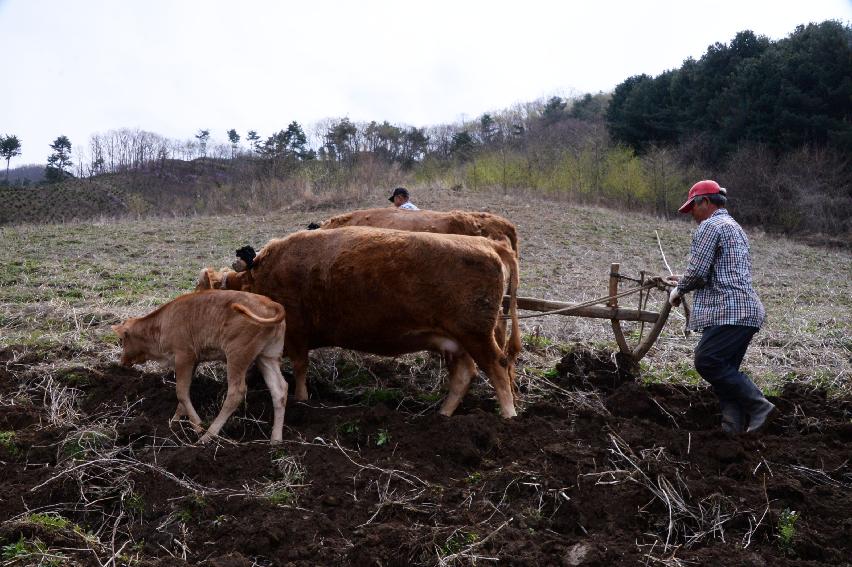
(787, 529)
(283, 496)
(31, 552)
(193, 504)
(429, 397)
(7, 441)
(681, 373)
(375, 396)
(549, 373)
(458, 541)
(50, 521)
(537, 341)
(85, 444)
(135, 502)
(382, 437)
(352, 428)
(75, 378)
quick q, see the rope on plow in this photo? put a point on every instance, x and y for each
(659, 282)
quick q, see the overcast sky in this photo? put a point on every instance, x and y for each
(79, 67)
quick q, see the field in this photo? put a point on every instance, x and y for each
(603, 466)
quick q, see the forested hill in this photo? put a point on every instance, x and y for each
(784, 94)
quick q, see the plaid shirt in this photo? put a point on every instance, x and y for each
(720, 269)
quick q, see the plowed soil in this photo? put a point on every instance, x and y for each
(598, 469)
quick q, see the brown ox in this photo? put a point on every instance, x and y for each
(391, 292)
(488, 225)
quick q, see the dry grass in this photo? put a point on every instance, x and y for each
(62, 285)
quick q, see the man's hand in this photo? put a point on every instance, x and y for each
(675, 297)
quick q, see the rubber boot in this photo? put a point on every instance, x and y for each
(759, 415)
(733, 418)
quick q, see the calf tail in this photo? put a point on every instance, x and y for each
(264, 321)
(513, 345)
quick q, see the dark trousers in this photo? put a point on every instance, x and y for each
(718, 356)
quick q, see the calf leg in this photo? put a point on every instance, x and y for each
(237, 366)
(184, 368)
(270, 367)
(461, 371)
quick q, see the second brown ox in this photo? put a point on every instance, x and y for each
(391, 292)
(471, 223)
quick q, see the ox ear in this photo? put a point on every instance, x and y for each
(204, 281)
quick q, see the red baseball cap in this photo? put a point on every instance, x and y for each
(706, 187)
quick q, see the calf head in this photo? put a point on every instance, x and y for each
(223, 279)
(134, 347)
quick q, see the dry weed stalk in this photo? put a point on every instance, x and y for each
(689, 522)
(386, 494)
(60, 401)
(576, 399)
(467, 552)
(821, 477)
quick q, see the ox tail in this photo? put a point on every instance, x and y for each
(264, 321)
(513, 346)
(512, 235)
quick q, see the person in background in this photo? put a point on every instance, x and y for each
(400, 197)
(726, 308)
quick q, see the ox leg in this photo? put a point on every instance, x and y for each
(270, 367)
(184, 369)
(237, 367)
(300, 373)
(492, 361)
(461, 371)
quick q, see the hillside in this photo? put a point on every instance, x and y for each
(178, 188)
(600, 467)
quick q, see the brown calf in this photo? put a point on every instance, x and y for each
(212, 326)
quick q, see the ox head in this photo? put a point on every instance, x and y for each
(245, 259)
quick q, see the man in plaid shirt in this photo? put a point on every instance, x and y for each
(726, 307)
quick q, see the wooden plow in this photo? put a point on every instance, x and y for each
(645, 284)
